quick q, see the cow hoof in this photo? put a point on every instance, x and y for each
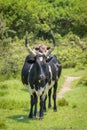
(55, 110)
(30, 116)
(40, 118)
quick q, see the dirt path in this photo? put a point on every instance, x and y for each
(66, 86)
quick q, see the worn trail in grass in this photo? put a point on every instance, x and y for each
(66, 86)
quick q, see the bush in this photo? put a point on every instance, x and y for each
(83, 80)
(2, 124)
(6, 41)
(74, 105)
(80, 66)
(3, 86)
(62, 102)
(3, 93)
(3, 89)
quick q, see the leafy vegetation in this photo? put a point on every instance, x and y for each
(39, 17)
(83, 81)
(70, 54)
(68, 20)
(62, 102)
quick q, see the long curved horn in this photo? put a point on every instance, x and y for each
(53, 38)
(27, 45)
(53, 46)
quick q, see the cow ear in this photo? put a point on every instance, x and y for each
(48, 48)
(49, 59)
(30, 59)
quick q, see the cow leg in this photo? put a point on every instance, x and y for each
(41, 108)
(35, 100)
(31, 109)
(49, 98)
(44, 106)
(54, 96)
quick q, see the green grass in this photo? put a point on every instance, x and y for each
(14, 107)
(13, 95)
(74, 72)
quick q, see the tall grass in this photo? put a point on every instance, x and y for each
(13, 95)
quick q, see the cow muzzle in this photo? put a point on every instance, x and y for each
(42, 77)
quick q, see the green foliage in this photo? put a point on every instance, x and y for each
(68, 20)
(3, 93)
(41, 16)
(62, 102)
(71, 52)
(74, 105)
(68, 50)
(3, 89)
(12, 57)
(2, 124)
(83, 81)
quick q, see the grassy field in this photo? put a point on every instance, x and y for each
(14, 107)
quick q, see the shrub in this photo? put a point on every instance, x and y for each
(80, 66)
(2, 124)
(74, 105)
(3, 86)
(3, 93)
(83, 80)
(62, 102)
(3, 89)
(6, 41)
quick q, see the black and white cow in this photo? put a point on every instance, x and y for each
(55, 69)
(40, 72)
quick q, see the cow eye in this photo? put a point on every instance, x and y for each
(48, 59)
